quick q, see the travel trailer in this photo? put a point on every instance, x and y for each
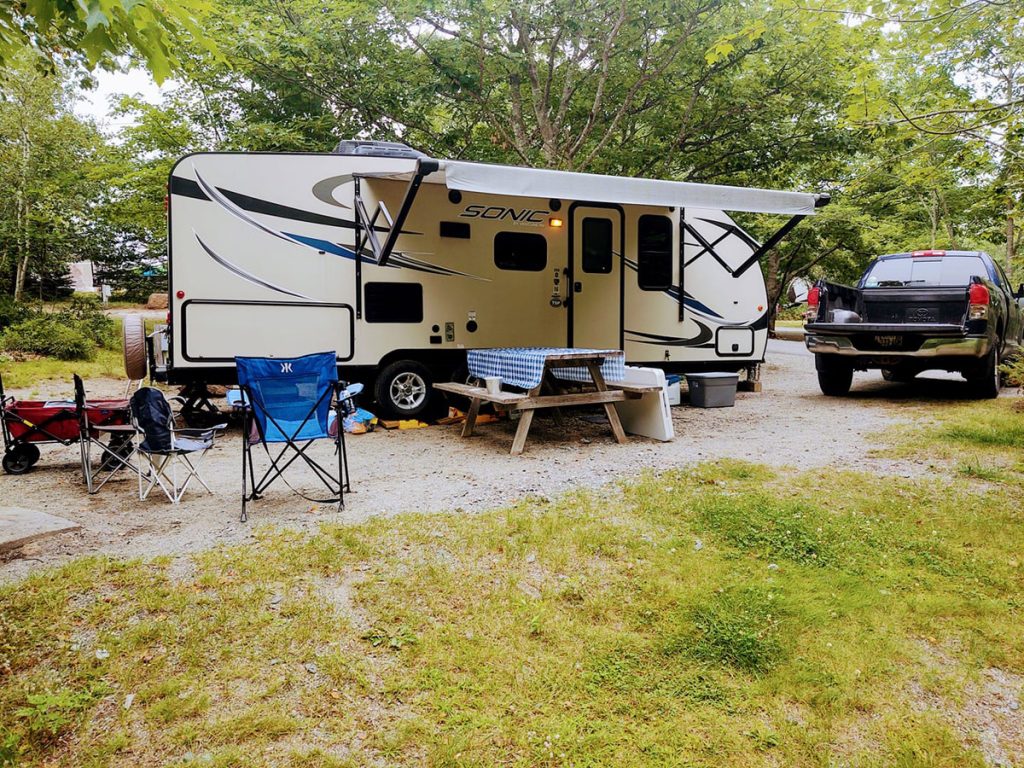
(400, 262)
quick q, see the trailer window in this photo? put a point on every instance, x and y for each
(522, 251)
(654, 253)
(597, 245)
(394, 303)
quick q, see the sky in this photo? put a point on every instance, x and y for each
(95, 104)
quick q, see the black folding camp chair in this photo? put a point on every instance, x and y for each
(289, 403)
(171, 455)
(116, 453)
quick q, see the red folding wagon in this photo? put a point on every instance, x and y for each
(25, 424)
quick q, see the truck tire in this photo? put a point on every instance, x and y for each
(834, 378)
(987, 380)
(134, 333)
(404, 390)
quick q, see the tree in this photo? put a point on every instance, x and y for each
(971, 56)
(43, 151)
(98, 31)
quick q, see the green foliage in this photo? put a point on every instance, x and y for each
(46, 335)
(71, 333)
(1014, 372)
(11, 311)
(47, 715)
(9, 748)
(98, 31)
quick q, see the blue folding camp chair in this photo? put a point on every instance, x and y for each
(290, 402)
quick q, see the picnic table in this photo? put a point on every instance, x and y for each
(543, 372)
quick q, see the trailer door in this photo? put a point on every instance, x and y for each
(595, 276)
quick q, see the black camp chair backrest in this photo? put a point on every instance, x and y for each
(83, 421)
(153, 415)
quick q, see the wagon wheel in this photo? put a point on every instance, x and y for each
(19, 459)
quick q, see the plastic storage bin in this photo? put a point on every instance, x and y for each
(672, 381)
(712, 390)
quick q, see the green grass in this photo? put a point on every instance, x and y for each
(25, 374)
(726, 615)
(107, 363)
(980, 440)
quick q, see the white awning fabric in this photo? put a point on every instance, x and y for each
(510, 180)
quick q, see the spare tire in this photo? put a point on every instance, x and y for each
(134, 331)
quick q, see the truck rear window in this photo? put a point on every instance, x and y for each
(927, 271)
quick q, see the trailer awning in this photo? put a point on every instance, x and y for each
(507, 180)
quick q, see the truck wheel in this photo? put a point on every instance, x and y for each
(834, 379)
(403, 390)
(986, 382)
(134, 333)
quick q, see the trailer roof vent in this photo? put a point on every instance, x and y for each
(376, 149)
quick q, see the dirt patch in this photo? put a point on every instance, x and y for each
(987, 715)
(789, 424)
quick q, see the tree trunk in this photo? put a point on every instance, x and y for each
(22, 205)
(1010, 238)
(947, 219)
(771, 280)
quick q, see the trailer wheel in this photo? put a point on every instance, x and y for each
(834, 379)
(20, 459)
(134, 333)
(403, 389)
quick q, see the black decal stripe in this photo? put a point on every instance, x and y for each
(700, 340)
(190, 188)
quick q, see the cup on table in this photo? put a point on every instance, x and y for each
(492, 384)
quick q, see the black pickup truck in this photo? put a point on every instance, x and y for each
(911, 312)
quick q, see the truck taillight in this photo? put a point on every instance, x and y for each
(979, 298)
(927, 253)
(813, 299)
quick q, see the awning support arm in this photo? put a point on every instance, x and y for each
(768, 244)
(367, 225)
(820, 201)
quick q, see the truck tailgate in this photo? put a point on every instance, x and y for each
(924, 306)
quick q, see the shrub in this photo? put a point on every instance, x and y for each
(47, 334)
(71, 333)
(84, 313)
(1014, 371)
(11, 312)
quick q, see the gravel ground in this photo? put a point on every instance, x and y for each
(788, 424)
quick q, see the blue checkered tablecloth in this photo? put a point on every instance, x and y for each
(524, 366)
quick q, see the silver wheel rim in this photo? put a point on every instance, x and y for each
(408, 391)
(999, 378)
